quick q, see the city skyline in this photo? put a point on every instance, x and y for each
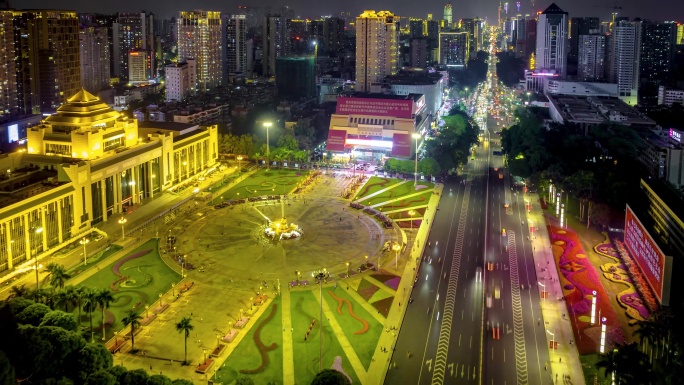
(657, 10)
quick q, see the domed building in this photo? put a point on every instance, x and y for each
(86, 164)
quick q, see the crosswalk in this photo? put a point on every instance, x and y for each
(518, 332)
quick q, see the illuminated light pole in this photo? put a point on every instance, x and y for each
(543, 292)
(122, 221)
(396, 249)
(593, 307)
(320, 277)
(239, 158)
(416, 136)
(557, 204)
(268, 152)
(562, 216)
(84, 241)
(411, 213)
(37, 230)
(602, 347)
(552, 338)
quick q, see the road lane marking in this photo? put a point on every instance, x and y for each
(518, 331)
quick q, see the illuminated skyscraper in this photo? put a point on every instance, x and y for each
(624, 59)
(454, 48)
(94, 52)
(552, 39)
(133, 32)
(199, 37)
(591, 57)
(8, 72)
(376, 48)
(448, 15)
(235, 46)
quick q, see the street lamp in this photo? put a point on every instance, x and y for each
(239, 158)
(321, 276)
(84, 241)
(396, 247)
(552, 337)
(543, 291)
(411, 213)
(267, 125)
(37, 230)
(416, 136)
(122, 221)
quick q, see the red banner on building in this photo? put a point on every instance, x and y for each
(336, 140)
(401, 145)
(646, 252)
(401, 108)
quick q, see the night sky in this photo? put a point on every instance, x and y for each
(651, 9)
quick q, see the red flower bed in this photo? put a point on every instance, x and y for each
(637, 277)
(579, 278)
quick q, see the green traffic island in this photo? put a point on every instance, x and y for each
(230, 336)
(160, 309)
(204, 366)
(146, 321)
(218, 350)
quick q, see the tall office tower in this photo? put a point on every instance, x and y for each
(377, 49)
(415, 28)
(624, 59)
(255, 17)
(235, 43)
(49, 68)
(199, 37)
(591, 57)
(469, 25)
(429, 17)
(174, 30)
(333, 36)
(95, 54)
(530, 37)
(479, 34)
(433, 37)
(273, 40)
(581, 26)
(658, 42)
(552, 39)
(133, 32)
(297, 37)
(453, 48)
(448, 16)
(419, 53)
(137, 66)
(8, 71)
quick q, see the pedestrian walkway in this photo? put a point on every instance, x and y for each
(564, 360)
(380, 191)
(288, 346)
(401, 198)
(378, 368)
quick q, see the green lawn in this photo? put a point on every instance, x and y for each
(364, 344)
(398, 192)
(409, 203)
(148, 276)
(264, 182)
(305, 307)
(246, 355)
(92, 259)
(375, 184)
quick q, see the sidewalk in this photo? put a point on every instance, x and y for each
(378, 368)
(565, 360)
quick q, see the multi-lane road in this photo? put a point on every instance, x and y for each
(475, 316)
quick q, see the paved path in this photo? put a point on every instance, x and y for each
(565, 360)
(288, 352)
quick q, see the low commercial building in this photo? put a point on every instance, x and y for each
(566, 87)
(419, 81)
(374, 126)
(664, 155)
(86, 164)
(594, 110)
(669, 96)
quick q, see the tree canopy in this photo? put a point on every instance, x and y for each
(451, 146)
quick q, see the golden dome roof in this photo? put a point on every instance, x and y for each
(83, 109)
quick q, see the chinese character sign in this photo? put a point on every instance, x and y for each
(336, 140)
(375, 107)
(645, 251)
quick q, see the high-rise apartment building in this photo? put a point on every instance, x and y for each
(419, 53)
(552, 38)
(454, 48)
(48, 64)
(235, 44)
(581, 26)
(178, 81)
(658, 41)
(624, 59)
(448, 17)
(199, 37)
(591, 57)
(297, 37)
(8, 72)
(133, 32)
(95, 54)
(415, 28)
(273, 40)
(138, 70)
(377, 48)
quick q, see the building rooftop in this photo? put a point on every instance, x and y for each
(597, 109)
(414, 97)
(171, 126)
(414, 76)
(82, 109)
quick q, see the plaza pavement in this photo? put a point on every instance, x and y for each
(565, 360)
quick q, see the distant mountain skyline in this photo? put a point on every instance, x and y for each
(654, 10)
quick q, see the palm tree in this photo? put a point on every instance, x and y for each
(62, 299)
(79, 294)
(104, 298)
(90, 305)
(184, 326)
(132, 318)
(18, 291)
(627, 365)
(57, 275)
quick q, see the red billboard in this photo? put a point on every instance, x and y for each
(396, 108)
(646, 253)
(401, 145)
(336, 140)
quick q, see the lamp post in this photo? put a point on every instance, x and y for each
(416, 136)
(84, 241)
(37, 230)
(122, 221)
(239, 158)
(320, 277)
(347, 263)
(205, 355)
(411, 214)
(552, 337)
(267, 125)
(543, 291)
(396, 247)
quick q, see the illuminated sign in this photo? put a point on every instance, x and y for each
(13, 133)
(401, 145)
(676, 135)
(646, 253)
(401, 108)
(336, 140)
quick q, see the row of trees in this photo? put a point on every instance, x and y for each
(596, 165)
(451, 145)
(426, 166)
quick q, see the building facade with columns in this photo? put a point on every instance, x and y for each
(87, 164)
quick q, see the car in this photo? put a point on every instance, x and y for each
(497, 292)
(489, 300)
(503, 232)
(99, 237)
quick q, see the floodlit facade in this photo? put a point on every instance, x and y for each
(199, 38)
(624, 55)
(376, 48)
(133, 32)
(552, 41)
(138, 63)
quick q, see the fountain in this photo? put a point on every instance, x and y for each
(279, 230)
